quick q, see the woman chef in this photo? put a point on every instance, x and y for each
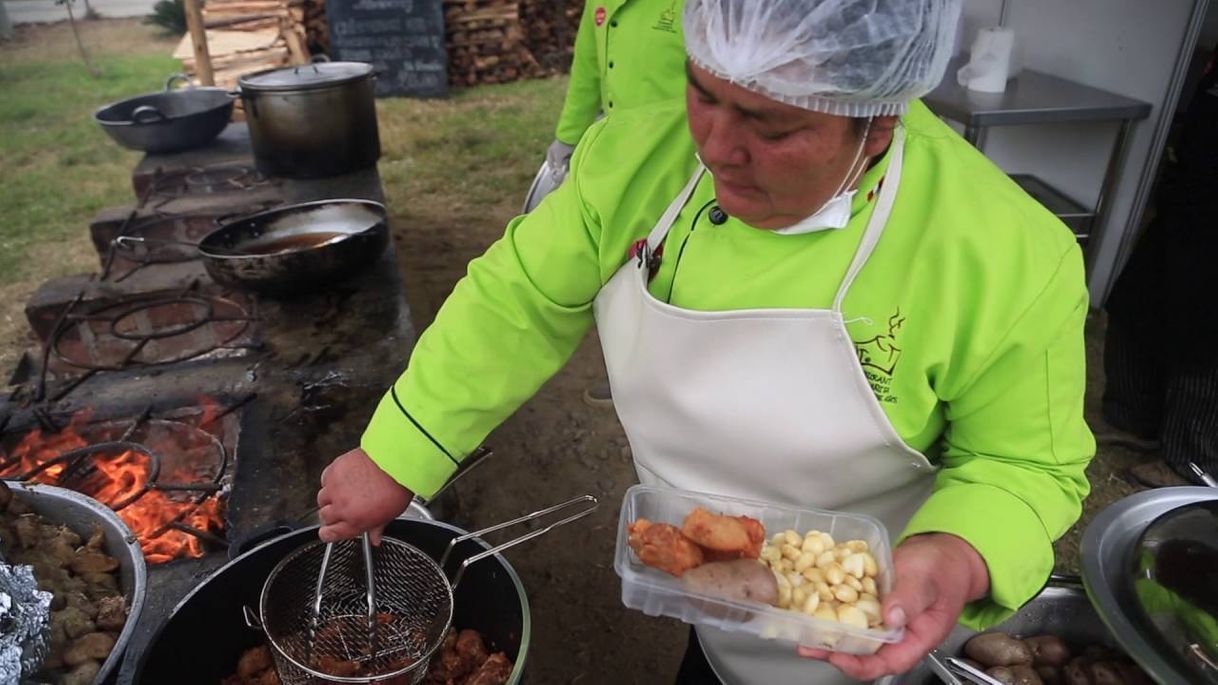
(808, 290)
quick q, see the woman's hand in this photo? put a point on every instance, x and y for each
(935, 576)
(356, 496)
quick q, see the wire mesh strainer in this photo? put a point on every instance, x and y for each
(412, 603)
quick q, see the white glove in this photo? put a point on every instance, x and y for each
(558, 155)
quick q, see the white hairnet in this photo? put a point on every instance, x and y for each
(853, 58)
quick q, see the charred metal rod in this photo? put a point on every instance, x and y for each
(187, 487)
(76, 383)
(201, 534)
(230, 409)
(139, 421)
(53, 338)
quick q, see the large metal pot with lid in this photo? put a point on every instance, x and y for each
(312, 121)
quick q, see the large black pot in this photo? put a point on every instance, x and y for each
(205, 635)
(312, 121)
(169, 121)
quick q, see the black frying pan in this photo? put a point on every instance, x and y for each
(292, 249)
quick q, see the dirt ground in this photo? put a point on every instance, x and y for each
(556, 447)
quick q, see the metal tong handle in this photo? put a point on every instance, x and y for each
(934, 659)
(1202, 475)
(969, 673)
(370, 592)
(515, 541)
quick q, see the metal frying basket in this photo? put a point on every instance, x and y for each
(413, 606)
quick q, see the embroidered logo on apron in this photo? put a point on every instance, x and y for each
(879, 356)
(600, 16)
(668, 19)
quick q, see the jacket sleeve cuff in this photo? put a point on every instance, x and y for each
(1008, 535)
(401, 449)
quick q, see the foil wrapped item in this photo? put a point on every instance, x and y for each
(25, 620)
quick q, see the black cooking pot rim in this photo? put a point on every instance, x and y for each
(100, 113)
(526, 628)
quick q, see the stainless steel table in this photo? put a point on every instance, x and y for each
(1037, 98)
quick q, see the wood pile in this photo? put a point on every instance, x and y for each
(245, 36)
(497, 41)
(550, 27)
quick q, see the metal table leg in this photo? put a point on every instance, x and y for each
(1103, 205)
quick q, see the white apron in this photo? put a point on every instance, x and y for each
(768, 404)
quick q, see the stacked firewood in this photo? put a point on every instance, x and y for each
(317, 28)
(486, 43)
(244, 36)
(550, 27)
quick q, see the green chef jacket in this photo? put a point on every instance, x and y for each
(968, 321)
(627, 53)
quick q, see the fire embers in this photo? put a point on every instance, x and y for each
(88, 610)
(160, 476)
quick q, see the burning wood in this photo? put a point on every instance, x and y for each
(163, 489)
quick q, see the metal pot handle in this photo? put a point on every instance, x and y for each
(523, 538)
(147, 114)
(319, 57)
(178, 77)
(251, 618)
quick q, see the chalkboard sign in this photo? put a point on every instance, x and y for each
(402, 39)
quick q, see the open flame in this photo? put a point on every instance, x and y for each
(120, 477)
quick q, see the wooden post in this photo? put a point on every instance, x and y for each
(198, 38)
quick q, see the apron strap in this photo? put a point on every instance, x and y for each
(879, 217)
(670, 215)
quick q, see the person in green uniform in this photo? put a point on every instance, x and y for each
(808, 290)
(627, 53)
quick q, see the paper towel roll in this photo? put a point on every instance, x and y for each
(989, 63)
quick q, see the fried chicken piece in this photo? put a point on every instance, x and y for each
(471, 649)
(729, 537)
(495, 670)
(662, 546)
(337, 667)
(253, 662)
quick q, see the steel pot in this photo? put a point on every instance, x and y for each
(1112, 549)
(312, 121)
(168, 121)
(206, 633)
(81, 513)
(1060, 609)
(292, 249)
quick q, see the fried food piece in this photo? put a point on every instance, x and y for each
(253, 662)
(739, 537)
(83, 674)
(495, 670)
(337, 667)
(662, 546)
(92, 646)
(111, 613)
(89, 561)
(471, 649)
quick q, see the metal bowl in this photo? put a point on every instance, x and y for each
(167, 121)
(1061, 609)
(1175, 579)
(1108, 552)
(80, 514)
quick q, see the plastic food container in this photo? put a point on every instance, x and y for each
(657, 593)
